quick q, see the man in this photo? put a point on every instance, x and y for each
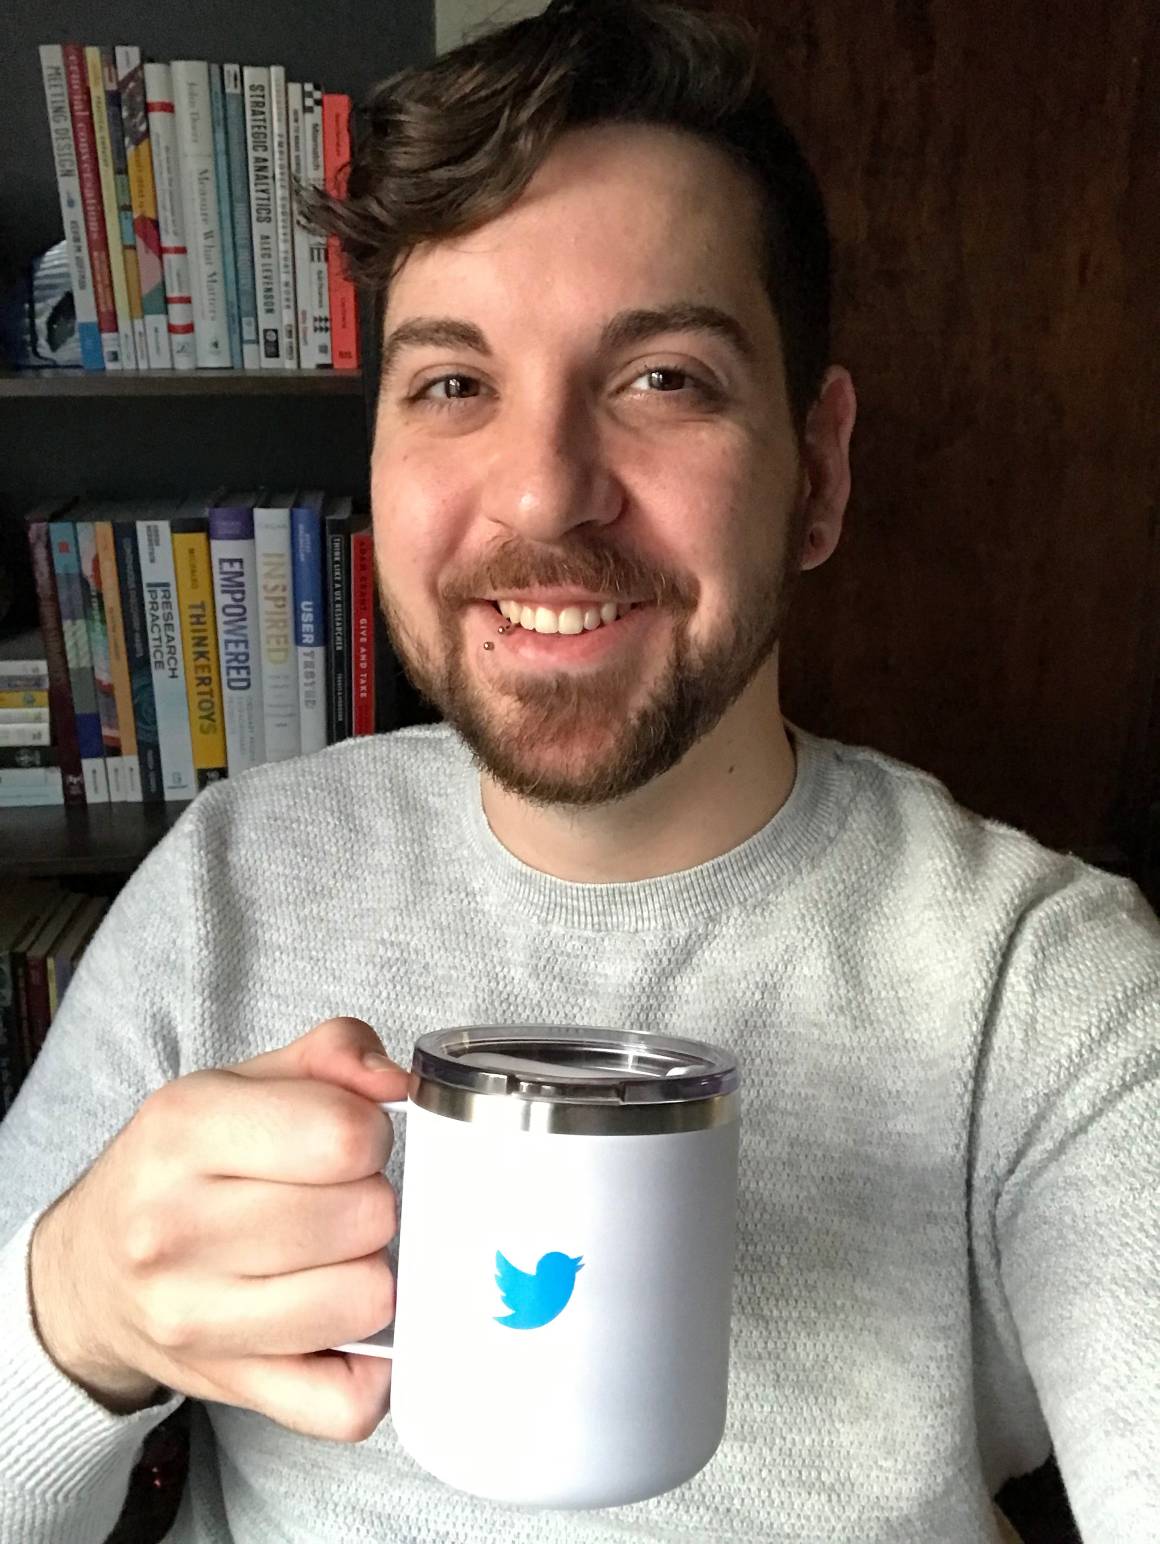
(607, 441)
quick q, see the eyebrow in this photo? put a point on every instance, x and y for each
(623, 330)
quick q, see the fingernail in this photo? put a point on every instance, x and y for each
(377, 1062)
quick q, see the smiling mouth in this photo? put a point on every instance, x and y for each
(568, 620)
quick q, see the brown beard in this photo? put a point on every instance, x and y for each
(563, 712)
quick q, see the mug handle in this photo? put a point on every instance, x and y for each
(383, 1342)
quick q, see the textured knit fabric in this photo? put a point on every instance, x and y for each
(948, 1240)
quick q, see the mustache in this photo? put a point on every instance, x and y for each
(590, 565)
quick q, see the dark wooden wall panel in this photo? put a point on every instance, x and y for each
(993, 179)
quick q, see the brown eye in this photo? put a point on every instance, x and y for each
(666, 380)
(455, 386)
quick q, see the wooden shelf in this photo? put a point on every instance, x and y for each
(179, 383)
(99, 839)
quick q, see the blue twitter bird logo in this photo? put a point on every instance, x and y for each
(537, 1299)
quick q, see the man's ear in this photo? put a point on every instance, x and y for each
(826, 466)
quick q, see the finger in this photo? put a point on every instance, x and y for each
(309, 1310)
(252, 1228)
(333, 1052)
(325, 1394)
(294, 1131)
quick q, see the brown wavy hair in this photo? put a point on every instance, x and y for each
(445, 147)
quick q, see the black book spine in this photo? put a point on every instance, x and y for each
(338, 699)
(140, 668)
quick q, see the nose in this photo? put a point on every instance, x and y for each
(548, 473)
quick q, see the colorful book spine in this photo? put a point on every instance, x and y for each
(19, 699)
(70, 946)
(94, 603)
(336, 157)
(263, 221)
(74, 624)
(362, 631)
(309, 619)
(166, 657)
(221, 171)
(116, 126)
(107, 174)
(299, 234)
(317, 278)
(283, 217)
(39, 1015)
(191, 557)
(336, 523)
(138, 654)
(239, 184)
(20, 753)
(89, 175)
(170, 216)
(52, 639)
(143, 195)
(68, 186)
(235, 582)
(118, 658)
(272, 553)
(193, 116)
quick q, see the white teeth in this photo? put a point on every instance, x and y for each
(570, 621)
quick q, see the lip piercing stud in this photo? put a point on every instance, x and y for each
(489, 644)
(506, 628)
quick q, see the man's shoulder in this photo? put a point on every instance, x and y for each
(367, 789)
(909, 828)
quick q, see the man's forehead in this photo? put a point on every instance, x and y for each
(613, 221)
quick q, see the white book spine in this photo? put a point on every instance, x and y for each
(28, 787)
(276, 631)
(263, 221)
(170, 216)
(25, 734)
(283, 216)
(318, 277)
(199, 198)
(296, 125)
(68, 187)
(24, 715)
(240, 651)
(109, 202)
(159, 593)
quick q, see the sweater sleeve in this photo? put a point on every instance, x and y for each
(65, 1460)
(1070, 1149)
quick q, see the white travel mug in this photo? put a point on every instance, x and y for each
(566, 1250)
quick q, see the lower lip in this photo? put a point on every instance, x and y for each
(558, 650)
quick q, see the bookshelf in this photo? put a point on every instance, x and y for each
(180, 383)
(135, 434)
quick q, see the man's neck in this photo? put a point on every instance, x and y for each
(724, 790)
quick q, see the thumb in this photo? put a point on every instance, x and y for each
(343, 1051)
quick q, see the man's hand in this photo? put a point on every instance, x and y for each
(233, 1229)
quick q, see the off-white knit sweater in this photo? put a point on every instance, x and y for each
(949, 1249)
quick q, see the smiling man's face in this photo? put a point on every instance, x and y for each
(583, 408)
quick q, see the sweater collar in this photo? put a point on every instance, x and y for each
(785, 847)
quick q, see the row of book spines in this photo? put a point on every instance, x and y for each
(43, 933)
(196, 255)
(232, 681)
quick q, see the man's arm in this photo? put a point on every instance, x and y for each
(1071, 1146)
(65, 1459)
